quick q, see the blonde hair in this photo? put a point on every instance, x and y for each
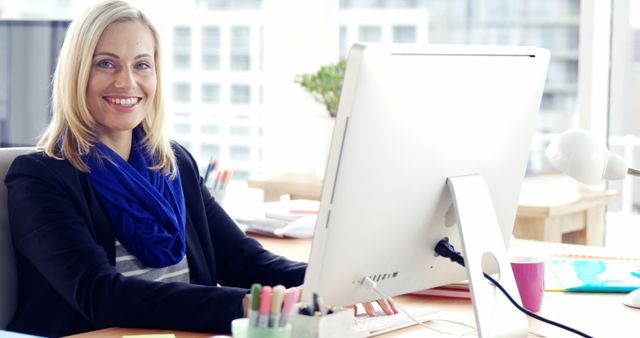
(71, 132)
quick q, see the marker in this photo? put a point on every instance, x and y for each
(226, 177)
(265, 306)
(290, 299)
(217, 184)
(207, 172)
(255, 304)
(276, 305)
(316, 304)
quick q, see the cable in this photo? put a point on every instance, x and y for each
(368, 282)
(445, 249)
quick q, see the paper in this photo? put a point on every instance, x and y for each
(289, 218)
(595, 275)
(291, 210)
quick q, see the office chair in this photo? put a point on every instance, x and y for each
(8, 277)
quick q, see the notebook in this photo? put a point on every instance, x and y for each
(594, 274)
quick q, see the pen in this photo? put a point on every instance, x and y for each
(265, 306)
(255, 304)
(207, 172)
(276, 305)
(217, 184)
(290, 299)
(226, 177)
(316, 304)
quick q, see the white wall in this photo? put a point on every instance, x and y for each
(299, 37)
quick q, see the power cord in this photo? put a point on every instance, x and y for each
(445, 249)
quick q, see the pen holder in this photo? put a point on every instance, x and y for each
(219, 194)
(337, 324)
(240, 329)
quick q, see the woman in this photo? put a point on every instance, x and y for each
(111, 223)
(105, 167)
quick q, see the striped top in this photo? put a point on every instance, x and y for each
(129, 266)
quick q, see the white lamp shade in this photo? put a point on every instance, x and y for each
(580, 155)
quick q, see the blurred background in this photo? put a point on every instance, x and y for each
(231, 67)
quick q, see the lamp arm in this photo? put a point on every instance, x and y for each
(633, 171)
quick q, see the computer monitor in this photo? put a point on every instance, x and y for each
(411, 117)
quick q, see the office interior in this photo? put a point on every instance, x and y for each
(231, 68)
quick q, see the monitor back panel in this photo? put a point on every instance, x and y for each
(410, 116)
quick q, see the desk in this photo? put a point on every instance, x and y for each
(599, 315)
(556, 209)
(551, 208)
(297, 186)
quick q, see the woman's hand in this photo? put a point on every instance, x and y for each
(387, 306)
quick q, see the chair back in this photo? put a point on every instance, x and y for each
(8, 276)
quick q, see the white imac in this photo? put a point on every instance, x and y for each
(412, 120)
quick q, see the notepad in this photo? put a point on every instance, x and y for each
(443, 292)
(286, 218)
(595, 275)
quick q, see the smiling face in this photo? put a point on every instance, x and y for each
(122, 81)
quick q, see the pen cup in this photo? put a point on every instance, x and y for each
(240, 329)
(219, 194)
(337, 324)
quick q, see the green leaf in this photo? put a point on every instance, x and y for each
(325, 85)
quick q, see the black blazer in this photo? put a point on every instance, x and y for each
(65, 253)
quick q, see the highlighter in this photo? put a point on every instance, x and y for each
(276, 305)
(255, 304)
(290, 299)
(265, 306)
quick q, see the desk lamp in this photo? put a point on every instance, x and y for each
(580, 155)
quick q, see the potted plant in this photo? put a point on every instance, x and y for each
(324, 85)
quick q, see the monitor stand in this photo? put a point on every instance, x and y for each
(481, 238)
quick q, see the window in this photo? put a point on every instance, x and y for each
(239, 153)
(181, 61)
(239, 131)
(210, 151)
(214, 57)
(211, 48)
(369, 34)
(210, 93)
(209, 129)
(182, 38)
(240, 48)
(241, 175)
(182, 128)
(343, 42)
(182, 92)
(232, 4)
(240, 94)
(404, 34)
(182, 48)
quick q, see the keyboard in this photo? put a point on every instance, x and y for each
(365, 326)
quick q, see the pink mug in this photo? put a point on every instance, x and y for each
(528, 272)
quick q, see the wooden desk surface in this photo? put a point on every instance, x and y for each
(597, 314)
(544, 198)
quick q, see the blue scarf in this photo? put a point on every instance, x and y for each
(146, 208)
